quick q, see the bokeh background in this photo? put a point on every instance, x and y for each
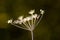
(48, 28)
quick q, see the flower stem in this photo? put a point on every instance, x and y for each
(32, 35)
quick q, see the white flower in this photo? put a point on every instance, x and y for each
(10, 21)
(16, 22)
(35, 16)
(31, 11)
(20, 18)
(28, 18)
(20, 22)
(38, 16)
(24, 20)
(42, 12)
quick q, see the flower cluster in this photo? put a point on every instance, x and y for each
(29, 22)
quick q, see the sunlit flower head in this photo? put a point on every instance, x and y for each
(10, 21)
(20, 17)
(42, 11)
(16, 22)
(35, 16)
(30, 20)
(31, 11)
(28, 23)
(24, 20)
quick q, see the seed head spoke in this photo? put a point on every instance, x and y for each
(19, 26)
(29, 24)
(26, 25)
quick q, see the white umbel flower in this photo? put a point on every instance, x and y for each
(31, 11)
(42, 12)
(28, 18)
(24, 20)
(10, 21)
(20, 18)
(28, 23)
(35, 16)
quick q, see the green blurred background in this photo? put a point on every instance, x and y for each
(48, 28)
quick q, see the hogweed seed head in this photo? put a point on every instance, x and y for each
(30, 20)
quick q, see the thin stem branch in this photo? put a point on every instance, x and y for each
(32, 23)
(26, 25)
(39, 20)
(19, 26)
(29, 24)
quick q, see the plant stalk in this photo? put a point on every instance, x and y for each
(32, 35)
